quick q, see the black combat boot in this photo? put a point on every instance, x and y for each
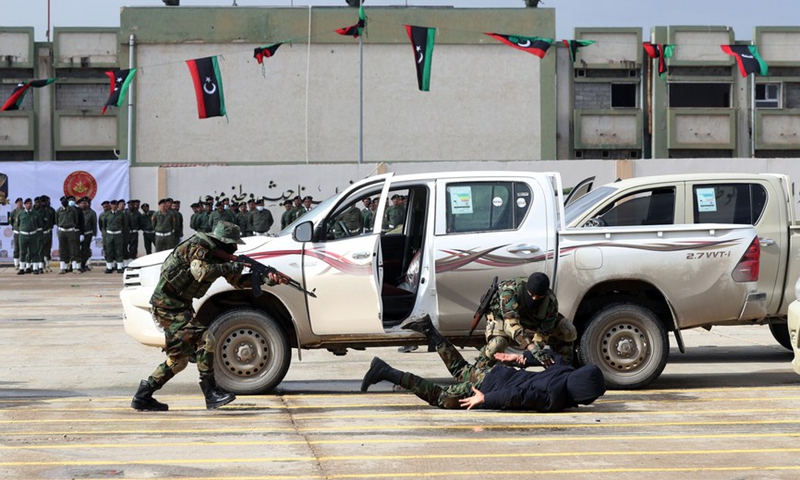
(144, 401)
(379, 371)
(424, 325)
(215, 397)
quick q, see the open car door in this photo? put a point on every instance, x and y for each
(582, 188)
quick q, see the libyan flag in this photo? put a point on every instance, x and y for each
(265, 51)
(422, 39)
(207, 87)
(18, 95)
(574, 45)
(661, 52)
(356, 30)
(120, 81)
(748, 59)
(534, 45)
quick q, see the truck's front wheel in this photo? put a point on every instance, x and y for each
(628, 343)
(252, 354)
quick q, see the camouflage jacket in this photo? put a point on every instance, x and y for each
(509, 305)
(189, 271)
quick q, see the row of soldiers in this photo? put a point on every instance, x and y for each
(32, 224)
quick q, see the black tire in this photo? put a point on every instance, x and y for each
(252, 353)
(780, 331)
(628, 343)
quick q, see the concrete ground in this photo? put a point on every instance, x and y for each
(725, 410)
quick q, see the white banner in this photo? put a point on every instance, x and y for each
(98, 179)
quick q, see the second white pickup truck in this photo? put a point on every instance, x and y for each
(623, 286)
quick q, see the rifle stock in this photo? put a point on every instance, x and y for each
(483, 307)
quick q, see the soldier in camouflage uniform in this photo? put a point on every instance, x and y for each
(500, 387)
(526, 311)
(187, 274)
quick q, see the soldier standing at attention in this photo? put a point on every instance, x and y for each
(48, 214)
(29, 226)
(164, 225)
(297, 207)
(187, 273)
(89, 232)
(367, 215)
(146, 224)
(205, 221)
(135, 223)
(69, 224)
(221, 214)
(260, 220)
(175, 206)
(113, 223)
(12, 219)
(195, 215)
(288, 214)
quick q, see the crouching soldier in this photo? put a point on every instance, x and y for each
(187, 273)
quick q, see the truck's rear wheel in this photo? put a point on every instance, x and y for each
(780, 332)
(252, 354)
(628, 343)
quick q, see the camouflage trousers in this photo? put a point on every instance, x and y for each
(560, 340)
(465, 374)
(187, 340)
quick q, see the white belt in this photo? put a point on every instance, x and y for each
(134, 231)
(149, 231)
(61, 229)
(88, 233)
(159, 234)
(27, 233)
(114, 233)
(48, 230)
(15, 231)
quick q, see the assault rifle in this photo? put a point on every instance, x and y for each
(259, 271)
(484, 305)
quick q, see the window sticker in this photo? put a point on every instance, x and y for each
(460, 200)
(497, 202)
(706, 200)
(521, 202)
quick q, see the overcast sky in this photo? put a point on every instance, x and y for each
(742, 15)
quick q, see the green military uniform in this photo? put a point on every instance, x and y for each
(204, 222)
(135, 224)
(69, 226)
(395, 216)
(367, 219)
(298, 212)
(348, 223)
(148, 234)
(178, 227)
(287, 218)
(188, 273)
(259, 222)
(216, 216)
(29, 226)
(241, 222)
(112, 226)
(89, 232)
(15, 231)
(48, 215)
(193, 221)
(530, 328)
(164, 226)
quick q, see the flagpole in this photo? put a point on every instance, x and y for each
(131, 44)
(360, 93)
(752, 115)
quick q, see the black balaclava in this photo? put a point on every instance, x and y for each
(586, 384)
(538, 284)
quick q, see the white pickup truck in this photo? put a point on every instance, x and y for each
(624, 286)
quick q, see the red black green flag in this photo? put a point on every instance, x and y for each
(535, 45)
(748, 59)
(574, 45)
(207, 87)
(18, 95)
(661, 51)
(422, 39)
(120, 81)
(265, 51)
(356, 30)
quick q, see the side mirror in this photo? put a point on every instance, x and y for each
(303, 232)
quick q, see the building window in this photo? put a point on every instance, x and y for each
(700, 95)
(768, 95)
(623, 95)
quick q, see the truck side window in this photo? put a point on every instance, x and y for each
(486, 206)
(649, 207)
(739, 203)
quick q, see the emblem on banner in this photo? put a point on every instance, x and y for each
(80, 184)
(3, 189)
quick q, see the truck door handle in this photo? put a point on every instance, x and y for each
(361, 255)
(523, 248)
(766, 242)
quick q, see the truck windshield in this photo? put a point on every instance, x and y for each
(579, 206)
